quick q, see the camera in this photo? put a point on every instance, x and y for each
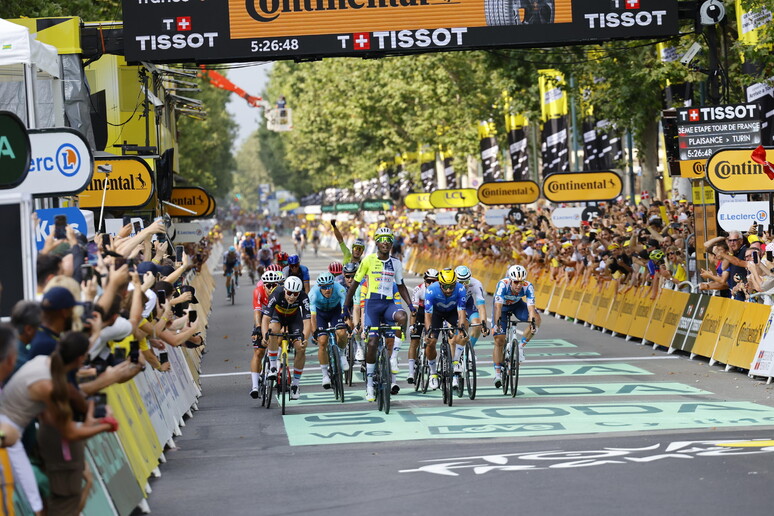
(192, 316)
(711, 12)
(163, 357)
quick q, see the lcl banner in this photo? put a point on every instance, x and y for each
(239, 30)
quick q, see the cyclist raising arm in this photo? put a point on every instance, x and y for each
(509, 299)
(384, 272)
(358, 246)
(444, 302)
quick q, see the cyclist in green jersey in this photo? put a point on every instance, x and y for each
(358, 246)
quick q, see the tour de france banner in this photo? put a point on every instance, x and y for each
(404, 184)
(553, 108)
(385, 173)
(448, 170)
(427, 170)
(516, 126)
(239, 30)
(489, 152)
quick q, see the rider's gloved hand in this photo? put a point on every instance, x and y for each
(484, 328)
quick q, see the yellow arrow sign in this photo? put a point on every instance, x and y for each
(461, 198)
(582, 186)
(734, 171)
(508, 192)
(418, 201)
(191, 198)
(126, 181)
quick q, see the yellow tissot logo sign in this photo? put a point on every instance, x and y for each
(418, 201)
(125, 182)
(734, 171)
(461, 198)
(582, 186)
(191, 199)
(509, 192)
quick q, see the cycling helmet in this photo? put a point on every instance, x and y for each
(293, 284)
(359, 242)
(274, 237)
(272, 276)
(335, 268)
(232, 249)
(274, 267)
(325, 279)
(463, 273)
(384, 232)
(265, 247)
(350, 268)
(517, 272)
(656, 255)
(297, 229)
(447, 277)
(282, 256)
(293, 259)
(431, 274)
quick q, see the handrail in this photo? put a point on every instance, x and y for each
(694, 286)
(763, 295)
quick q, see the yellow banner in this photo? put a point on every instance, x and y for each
(693, 169)
(418, 201)
(734, 171)
(192, 198)
(127, 183)
(508, 192)
(710, 327)
(748, 23)
(753, 322)
(703, 196)
(582, 186)
(553, 99)
(461, 198)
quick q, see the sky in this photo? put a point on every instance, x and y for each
(252, 79)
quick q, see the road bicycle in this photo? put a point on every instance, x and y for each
(334, 364)
(510, 369)
(284, 374)
(351, 348)
(382, 373)
(445, 368)
(231, 288)
(468, 379)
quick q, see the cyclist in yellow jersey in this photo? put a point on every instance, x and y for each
(383, 273)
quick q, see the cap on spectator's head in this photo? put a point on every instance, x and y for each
(753, 238)
(567, 244)
(58, 298)
(192, 290)
(613, 247)
(144, 267)
(165, 270)
(530, 239)
(585, 223)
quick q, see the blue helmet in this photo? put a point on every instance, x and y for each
(232, 249)
(463, 273)
(293, 259)
(325, 279)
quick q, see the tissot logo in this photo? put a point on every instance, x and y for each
(612, 20)
(362, 40)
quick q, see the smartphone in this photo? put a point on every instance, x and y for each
(87, 272)
(755, 257)
(192, 316)
(770, 256)
(162, 297)
(179, 250)
(137, 226)
(760, 230)
(130, 263)
(163, 357)
(134, 351)
(105, 240)
(60, 227)
(119, 355)
(100, 404)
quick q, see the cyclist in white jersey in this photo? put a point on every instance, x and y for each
(418, 320)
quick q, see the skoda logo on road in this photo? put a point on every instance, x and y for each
(68, 160)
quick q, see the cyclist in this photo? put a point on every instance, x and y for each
(326, 301)
(513, 295)
(265, 255)
(444, 301)
(316, 240)
(261, 292)
(231, 265)
(354, 322)
(418, 319)
(299, 239)
(358, 246)
(475, 306)
(288, 308)
(295, 268)
(282, 259)
(276, 247)
(247, 247)
(337, 269)
(384, 273)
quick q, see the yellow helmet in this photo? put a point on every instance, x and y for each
(447, 277)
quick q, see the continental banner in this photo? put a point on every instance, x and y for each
(241, 30)
(508, 192)
(626, 305)
(642, 312)
(190, 202)
(709, 330)
(684, 325)
(123, 182)
(582, 187)
(734, 171)
(729, 330)
(751, 327)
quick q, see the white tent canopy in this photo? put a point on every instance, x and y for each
(17, 46)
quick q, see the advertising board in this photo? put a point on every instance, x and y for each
(238, 30)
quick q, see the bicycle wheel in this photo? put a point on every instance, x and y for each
(514, 373)
(425, 373)
(445, 372)
(351, 359)
(384, 380)
(232, 293)
(419, 370)
(506, 369)
(470, 371)
(266, 385)
(285, 382)
(334, 366)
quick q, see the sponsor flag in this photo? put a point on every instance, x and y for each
(385, 171)
(516, 126)
(554, 137)
(759, 156)
(448, 169)
(427, 172)
(489, 152)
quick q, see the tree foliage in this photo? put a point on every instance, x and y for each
(88, 10)
(250, 172)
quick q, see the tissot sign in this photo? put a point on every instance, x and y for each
(238, 30)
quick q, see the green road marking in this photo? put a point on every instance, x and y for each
(356, 393)
(565, 354)
(519, 421)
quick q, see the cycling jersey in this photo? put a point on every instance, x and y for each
(230, 260)
(504, 293)
(418, 296)
(248, 243)
(265, 255)
(341, 280)
(260, 297)
(279, 307)
(475, 292)
(436, 299)
(382, 276)
(303, 274)
(318, 302)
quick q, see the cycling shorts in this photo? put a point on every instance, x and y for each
(471, 309)
(332, 318)
(419, 325)
(377, 312)
(294, 323)
(519, 309)
(437, 319)
(266, 262)
(250, 251)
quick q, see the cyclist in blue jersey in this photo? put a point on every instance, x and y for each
(326, 301)
(231, 264)
(294, 268)
(444, 302)
(513, 295)
(247, 246)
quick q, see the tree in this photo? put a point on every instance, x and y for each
(88, 10)
(250, 172)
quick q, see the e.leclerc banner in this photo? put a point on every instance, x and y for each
(508, 192)
(582, 186)
(239, 30)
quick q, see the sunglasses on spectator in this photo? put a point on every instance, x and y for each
(733, 239)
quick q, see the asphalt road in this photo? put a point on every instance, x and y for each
(601, 426)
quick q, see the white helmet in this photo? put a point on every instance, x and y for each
(293, 284)
(383, 231)
(517, 273)
(272, 277)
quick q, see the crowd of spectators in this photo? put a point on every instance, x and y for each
(649, 244)
(104, 310)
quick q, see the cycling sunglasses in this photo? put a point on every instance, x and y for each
(326, 287)
(292, 294)
(448, 287)
(349, 276)
(382, 239)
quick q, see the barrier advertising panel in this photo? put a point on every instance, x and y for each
(240, 30)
